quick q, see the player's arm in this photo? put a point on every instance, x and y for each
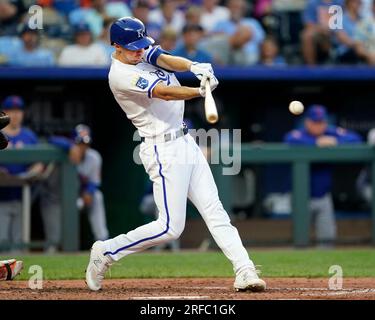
(203, 71)
(162, 59)
(173, 63)
(164, 92)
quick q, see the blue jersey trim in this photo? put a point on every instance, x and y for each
(149, 91)
(166, 209)
(150, 54)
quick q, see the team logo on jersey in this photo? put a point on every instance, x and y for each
(161, 75)
(142, 83)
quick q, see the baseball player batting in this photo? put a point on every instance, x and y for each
(143, 83)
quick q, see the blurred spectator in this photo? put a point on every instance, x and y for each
(316, 36)
(11, 12)
(99, 11)
(56, 29)
(262, 8)
(366, 8)
(228, 49)
(9, 46)
(365, 35)
(65, 6)
(363, 183)
(168, 15)
(51, 16)
(84, 52)
(10, 197)
(141, 11)
(89, 167)
(193, 15)
(30, 54)
(104, 39)
(347, 50)
(192, 34)
(270, 53)
(55, 24)
(212, 13)
(168, 39)
(247, 29)
(317, 132)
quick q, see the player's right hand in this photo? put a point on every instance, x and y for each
(213, 84)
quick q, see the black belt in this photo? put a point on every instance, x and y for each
(168, 136)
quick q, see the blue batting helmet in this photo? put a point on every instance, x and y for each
(82, 134)
(130, 33)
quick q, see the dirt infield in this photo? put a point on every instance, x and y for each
(202, 289)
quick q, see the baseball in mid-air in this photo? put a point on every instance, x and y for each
(296, 107)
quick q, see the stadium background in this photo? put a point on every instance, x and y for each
(253, 97)
(256, 105)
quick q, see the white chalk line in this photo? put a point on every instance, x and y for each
(306, 291)
(170, 298)
(205, 288)
(342, 292)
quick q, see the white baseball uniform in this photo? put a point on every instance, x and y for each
(177, 168)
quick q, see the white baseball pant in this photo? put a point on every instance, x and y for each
(179, 171)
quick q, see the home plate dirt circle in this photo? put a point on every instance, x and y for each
(193, 289)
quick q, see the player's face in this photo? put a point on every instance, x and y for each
(316, 128)
(16, 118)
(133, 57)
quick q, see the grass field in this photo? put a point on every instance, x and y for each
(274, 263)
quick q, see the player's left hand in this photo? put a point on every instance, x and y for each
(202, 70)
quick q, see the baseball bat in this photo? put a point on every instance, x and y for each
(210, 105)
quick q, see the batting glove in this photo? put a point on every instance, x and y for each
(213, 84)
(201, 69)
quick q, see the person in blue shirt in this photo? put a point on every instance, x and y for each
(30, 54)
(10, 197)
(95, 15)
(317, 35)
(189, 48)
(317, 132)
(347, 44)
(238, 21)
(270, 53)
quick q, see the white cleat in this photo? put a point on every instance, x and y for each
(248, 280)
(98, 266)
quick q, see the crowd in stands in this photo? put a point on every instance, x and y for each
(230, 32)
